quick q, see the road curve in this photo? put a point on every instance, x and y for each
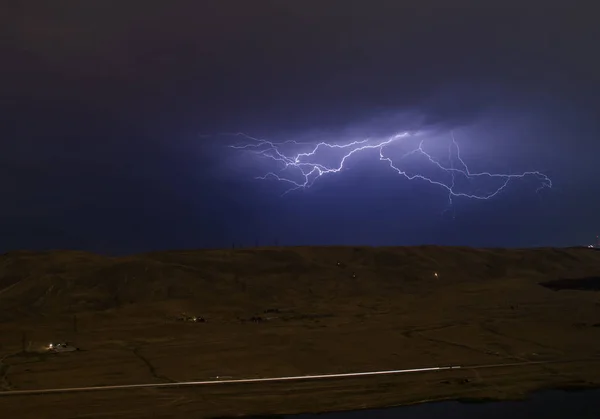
(279, 379)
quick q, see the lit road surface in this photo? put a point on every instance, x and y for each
(279, 379)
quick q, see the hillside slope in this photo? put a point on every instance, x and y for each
(321, 310)
(60, 282)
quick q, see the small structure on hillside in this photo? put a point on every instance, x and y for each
(192, 319)
(595, 246)
(257, 319)
(271, 310)
(61, 347)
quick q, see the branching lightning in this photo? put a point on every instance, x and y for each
(301, 170)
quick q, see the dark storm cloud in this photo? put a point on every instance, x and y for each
(196, 60)
(103, 100)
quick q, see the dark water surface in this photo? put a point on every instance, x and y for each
(552, 404)
(591, 283)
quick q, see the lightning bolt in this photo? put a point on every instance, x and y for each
(301, 170)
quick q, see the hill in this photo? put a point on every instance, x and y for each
(59, 282)
(296, 311)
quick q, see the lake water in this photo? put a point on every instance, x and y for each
(547, 405)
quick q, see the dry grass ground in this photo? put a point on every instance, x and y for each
(341, 309)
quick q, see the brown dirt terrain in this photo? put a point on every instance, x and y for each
(333, 309)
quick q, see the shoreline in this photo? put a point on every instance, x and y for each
(574, 388)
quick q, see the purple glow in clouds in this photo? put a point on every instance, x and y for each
(300, 170)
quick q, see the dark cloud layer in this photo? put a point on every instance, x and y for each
(233, 57)
(103, 101)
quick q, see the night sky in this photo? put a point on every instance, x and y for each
(114, 115)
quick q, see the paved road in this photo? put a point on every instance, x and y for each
(276, 379)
